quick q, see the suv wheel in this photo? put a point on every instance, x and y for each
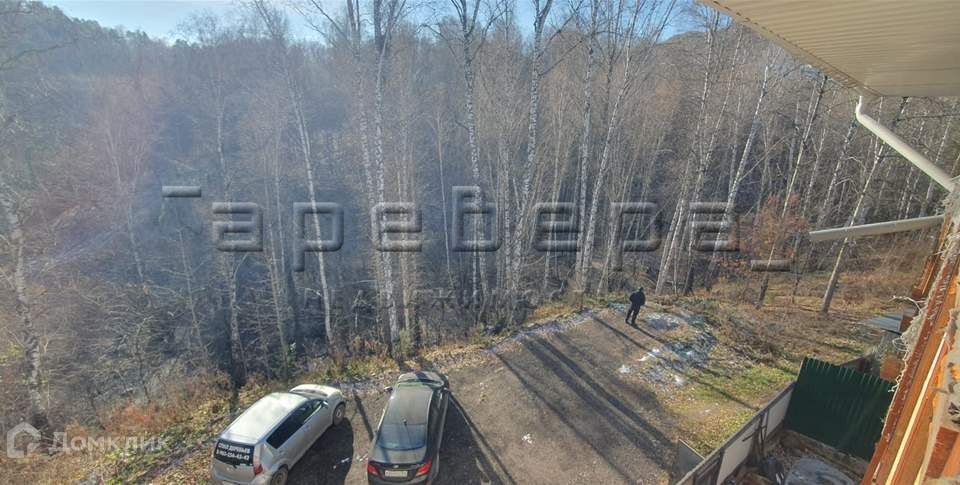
(280, 478)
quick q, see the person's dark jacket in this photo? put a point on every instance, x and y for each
(638, 298)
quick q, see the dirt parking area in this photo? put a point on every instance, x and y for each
(546, 407)
(586, 398)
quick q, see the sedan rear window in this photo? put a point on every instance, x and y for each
(402, 436)
(233, 453)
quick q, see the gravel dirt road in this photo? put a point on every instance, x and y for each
(549, 407)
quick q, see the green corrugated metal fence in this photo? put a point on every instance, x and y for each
(839, 407)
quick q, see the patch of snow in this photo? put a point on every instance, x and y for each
(551, 327)
(622, 307)
(664, 321)
(625, 369)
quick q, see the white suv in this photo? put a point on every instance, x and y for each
(263, 443)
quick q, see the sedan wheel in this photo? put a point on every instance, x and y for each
(339, 413)
(280, 478)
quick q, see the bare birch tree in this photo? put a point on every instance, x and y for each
(856, 216)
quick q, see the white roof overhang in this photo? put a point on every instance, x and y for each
(880, 48)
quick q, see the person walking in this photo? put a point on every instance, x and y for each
(637, 299)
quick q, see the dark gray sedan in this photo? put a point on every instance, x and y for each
(406, 448)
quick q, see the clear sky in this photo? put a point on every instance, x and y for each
(158, 18)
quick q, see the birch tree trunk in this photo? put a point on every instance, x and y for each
(197, 339)
(856, 215)
(831, 186)
(614, 229)
(443, 200)
(814, 172)
(676, 231)
(275, 277)
(305, 151)
(631, 70)
(227, 262)
(737, 178)
(277, 28)
(812, 111)
(706, 154)
(287, 287)
(385, 17)
(679, 215)
(582, 261)
(527, 170)
(386, 263)
(555, 193)
(802, 256)
(467, 18)
(30, 342)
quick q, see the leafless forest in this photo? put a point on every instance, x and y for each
(108, 290)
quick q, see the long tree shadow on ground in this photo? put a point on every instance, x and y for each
(328, 460)
(687, 374)
(604, 402)
(362, 412)
(465, 455)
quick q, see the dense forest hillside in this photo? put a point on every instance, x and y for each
(452, 118)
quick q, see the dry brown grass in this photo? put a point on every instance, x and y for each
(760, 350)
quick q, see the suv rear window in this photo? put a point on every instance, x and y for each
(291, 424)
(233, 453)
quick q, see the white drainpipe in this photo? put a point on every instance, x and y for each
(897, 143)
(915, 157)
(875, 229)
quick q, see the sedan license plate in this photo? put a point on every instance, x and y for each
(395, 473)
